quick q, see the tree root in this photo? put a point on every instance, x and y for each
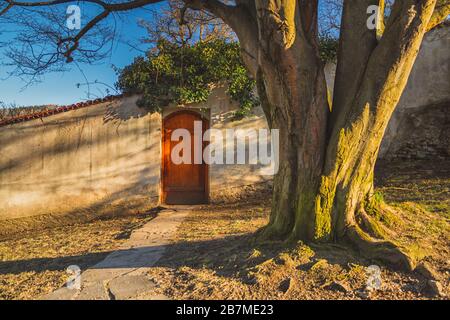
(269, 233)
(382, 250)
(364, 233)
(370, 226)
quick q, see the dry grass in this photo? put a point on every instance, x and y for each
(215, 256)
(34, 263)
(419, 192)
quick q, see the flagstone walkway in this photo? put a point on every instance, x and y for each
(123, 273)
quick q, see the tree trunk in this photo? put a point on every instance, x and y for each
(301, 162)
(346, 206)
(324, 189)
(294, 98)
(346, 198)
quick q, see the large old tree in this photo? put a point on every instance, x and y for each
(324, 189)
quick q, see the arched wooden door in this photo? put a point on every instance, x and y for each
(183, 183)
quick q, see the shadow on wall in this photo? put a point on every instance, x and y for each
(58, 147)
(133, 199)
(76, 164)
(119, 112)
(422, 133)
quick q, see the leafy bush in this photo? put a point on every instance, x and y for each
(171, 73)
(328, 49)
(187, 74)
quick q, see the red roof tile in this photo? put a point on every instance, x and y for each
(61, 109)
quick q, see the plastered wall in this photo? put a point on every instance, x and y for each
(106, 157)
(91, 158)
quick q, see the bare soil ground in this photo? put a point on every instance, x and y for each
(215, 256)
(34, 263)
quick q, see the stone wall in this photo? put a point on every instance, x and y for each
(422, 133)
(419, 125)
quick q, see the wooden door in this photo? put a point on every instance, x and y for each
(183, 183)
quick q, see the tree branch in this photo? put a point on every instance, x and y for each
(9, 6)
(216, 7)
(356, 45)
(441, 12)
(123, 6)
(76, 39)
(380, 19)
(241, 18)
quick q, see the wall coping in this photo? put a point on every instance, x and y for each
(60, 109)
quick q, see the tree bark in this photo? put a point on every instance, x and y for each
(293, 91)
(346, 192)
(324, 189)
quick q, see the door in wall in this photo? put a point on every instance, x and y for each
(185, 183)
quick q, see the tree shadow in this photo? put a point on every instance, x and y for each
(228, 256)
(413, 180)
(238, 256)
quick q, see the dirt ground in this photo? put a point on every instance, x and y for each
(215, 256)
(34, 263)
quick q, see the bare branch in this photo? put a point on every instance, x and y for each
(441, 12)
(122, 6)
(76, 39)
(9, 6)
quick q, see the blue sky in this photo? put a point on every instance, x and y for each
(61, 88)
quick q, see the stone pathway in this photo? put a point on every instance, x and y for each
(123, 273)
